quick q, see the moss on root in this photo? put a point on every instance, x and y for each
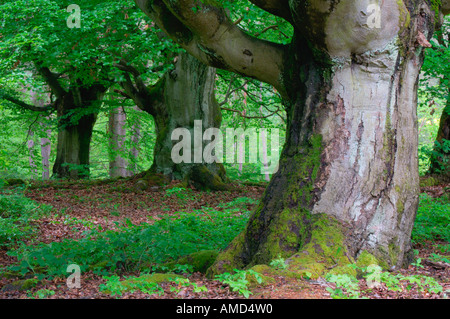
(203, 178)
(366, 259)
(200, 261)
(266, 274)
(325, 252)
(21, 285)
(229, 259)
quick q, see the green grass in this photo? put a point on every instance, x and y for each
(16, 215)
(134, 247)
(432, 220)
(139, 247)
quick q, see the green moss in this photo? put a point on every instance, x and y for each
(405, 17)
(156, 278)
(200, 261)
(307, 169)
(229, 259)
(182, 184)
(344, 270)
(394, 252)
(265, 272)
(25, 284)
(289, 226)
(204, 178)
(382, 255)
(289, 231)
(366, 259)
(324, 252)
(429, 181)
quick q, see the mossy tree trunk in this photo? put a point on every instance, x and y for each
(77, 112)
(182, 96)
(349, 81)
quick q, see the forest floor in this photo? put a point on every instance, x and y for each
(93, 203)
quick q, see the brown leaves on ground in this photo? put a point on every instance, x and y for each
(106, 204)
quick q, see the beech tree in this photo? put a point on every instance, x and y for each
(71, 49)
(347, 185)
(180, 97)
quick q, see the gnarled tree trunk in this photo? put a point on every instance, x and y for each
(77, 113)
(181, 97)
(347, 184)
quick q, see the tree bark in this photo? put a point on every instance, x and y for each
(45, 149)
(181, 97)
(135, 139)
(347, 183)
(77, 112)
(118, 165)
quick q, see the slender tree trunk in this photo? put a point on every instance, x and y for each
(348, 182)
(135, 139)
(117, 135)
(31, 155)
(45, 150)
(77, 113)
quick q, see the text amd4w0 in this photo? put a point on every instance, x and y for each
(190, 147)
(238, 308)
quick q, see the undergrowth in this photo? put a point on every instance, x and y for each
(133, 247)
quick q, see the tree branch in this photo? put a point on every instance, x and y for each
(210, 36)
(280, 8)
(24, 105)
(52, 80)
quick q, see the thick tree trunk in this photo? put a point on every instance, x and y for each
(183, 96)
(77, 113)
(440, 160)
(348, 173)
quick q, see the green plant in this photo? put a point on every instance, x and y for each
(182, 194)
(376, 276)
(346, 286)
(432, 221)
(279, 263)
(443, 248)
(133, 247)
(17, 213)
(184, 282)
(439, 258)
(115, 287)
(43, 293)
(238, 281)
